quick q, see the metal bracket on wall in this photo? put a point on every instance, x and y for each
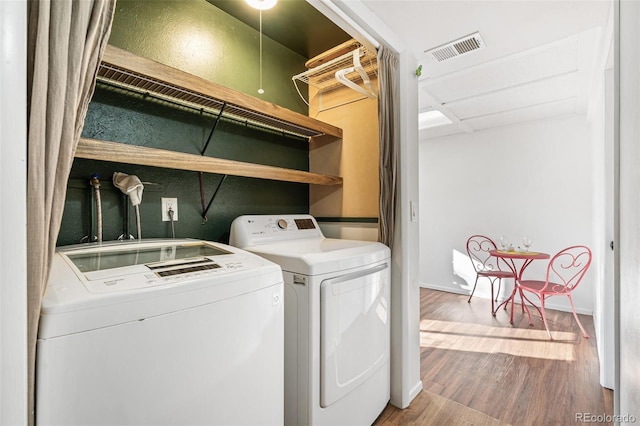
(206, 209)
(213, 128)
(204, 149)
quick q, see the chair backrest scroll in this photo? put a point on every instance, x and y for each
(478, 247)
(568, 266)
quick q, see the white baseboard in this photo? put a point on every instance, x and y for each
(415, 391)
(553, 306)
(445, 288)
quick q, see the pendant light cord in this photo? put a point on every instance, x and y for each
(260, 90)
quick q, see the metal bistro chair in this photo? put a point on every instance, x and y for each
(485, 265)
(564, 272)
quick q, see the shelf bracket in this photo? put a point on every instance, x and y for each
(206, 209)
(213, 128)
(204, 149)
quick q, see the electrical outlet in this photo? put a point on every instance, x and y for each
(169, 204)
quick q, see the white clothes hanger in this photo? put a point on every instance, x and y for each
(368, 90)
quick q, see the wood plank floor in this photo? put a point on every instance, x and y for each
(481, 370)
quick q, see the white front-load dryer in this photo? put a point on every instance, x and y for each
(160, 332)
(337, 313)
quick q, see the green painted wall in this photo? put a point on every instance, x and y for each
(196, 37)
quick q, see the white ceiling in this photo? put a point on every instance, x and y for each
(539, 61)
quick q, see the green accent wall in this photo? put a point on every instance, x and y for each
(196, 37)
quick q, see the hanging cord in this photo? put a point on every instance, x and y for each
(95, 182)
(261, 90)
(173, 231)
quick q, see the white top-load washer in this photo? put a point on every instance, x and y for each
(337, 315)
(159, 332)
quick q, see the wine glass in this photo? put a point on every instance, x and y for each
(526, 242)
(503, 243)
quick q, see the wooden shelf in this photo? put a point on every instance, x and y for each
(140, 74)
(132, 154)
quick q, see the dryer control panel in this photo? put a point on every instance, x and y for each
(250, 230)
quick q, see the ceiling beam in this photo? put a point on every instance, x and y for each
(437, 105)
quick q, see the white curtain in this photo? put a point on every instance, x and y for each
(387, 100)
(65, 44)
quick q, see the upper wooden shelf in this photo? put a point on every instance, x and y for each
(140, 74)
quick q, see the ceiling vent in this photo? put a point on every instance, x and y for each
(458, 47)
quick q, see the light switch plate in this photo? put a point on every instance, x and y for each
(414, 211)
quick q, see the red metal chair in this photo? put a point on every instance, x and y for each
(485, 265)
(564, 272)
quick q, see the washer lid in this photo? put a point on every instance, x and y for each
(316, 256)
(110, 259)
(138, 265)
(129, 283)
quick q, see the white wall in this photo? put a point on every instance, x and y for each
(13, 213)
(628, 391)
(534, 179)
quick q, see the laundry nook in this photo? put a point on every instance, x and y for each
(209, 154)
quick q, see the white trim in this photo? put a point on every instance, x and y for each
(552, 306)
(405, 256)
(329, 9)
(617, 161)
(357, 20)
(358, 11)
(627, 387)
(446, 289)
(13, 213)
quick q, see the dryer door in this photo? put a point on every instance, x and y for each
(354, 330)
